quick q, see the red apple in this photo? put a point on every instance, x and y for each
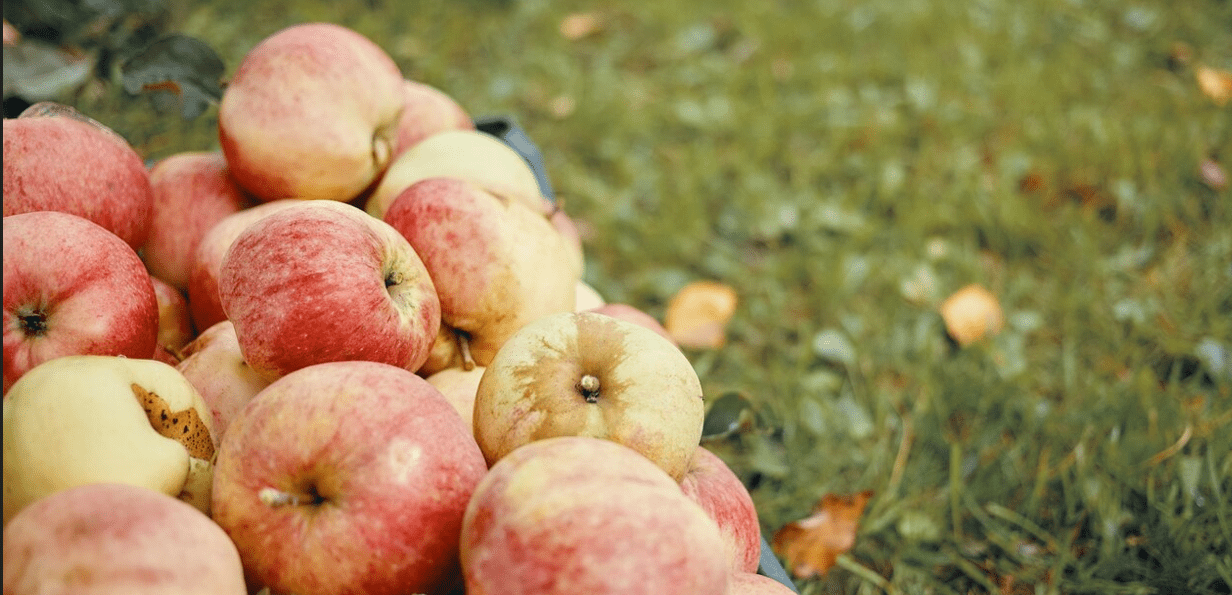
(323, 281)
(215, 366)
(574, 514)
(175, 327)
(56, 159)
(72, 287)
(204, 304)
(118, 539)
(192, 192)
(586, 374)
(311, 112)
(496, 264)
(713, 485)
(348, 478)
(427, 111)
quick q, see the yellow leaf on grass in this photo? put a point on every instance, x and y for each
(971, 314)
(579, 25)
(698, 314)
(1215, 84)
(810, 546)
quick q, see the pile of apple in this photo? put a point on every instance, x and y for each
(400, 382)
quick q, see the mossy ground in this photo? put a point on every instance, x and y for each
(847, 165)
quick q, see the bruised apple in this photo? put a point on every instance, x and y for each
(587, 374)
(574, 514)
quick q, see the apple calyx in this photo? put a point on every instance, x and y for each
(185, 427)
(33, 321)
(589, 387)
(274, 497)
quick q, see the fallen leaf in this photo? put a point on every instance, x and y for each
(1215, 84)
(11, 36)
(698, 314)
(580, 25)
(810, 546)
(971, 314)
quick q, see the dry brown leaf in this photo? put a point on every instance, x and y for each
(580, 25)
(698, 314)
(1215, 84)
(810, 546)
(971, 314)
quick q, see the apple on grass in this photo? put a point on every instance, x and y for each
(57, 159)
(427, 110)
(587, 374)
(72, 287)
(204, 304)
(714, 486)
(496, 265)
(192, 191)
(348, 478)
(118, 539)
(83, 419)
(575, 514)
(311, 112)
(323, 281)
(470, 155)
(215, 366)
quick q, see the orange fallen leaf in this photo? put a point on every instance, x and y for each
(1215, 84)
(971, 314)
(580, 25)
(810, 546)
(698, 314)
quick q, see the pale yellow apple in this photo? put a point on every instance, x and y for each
(89, 418)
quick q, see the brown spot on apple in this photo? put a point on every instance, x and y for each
(185, 427)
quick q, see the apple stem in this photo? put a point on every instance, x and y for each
(464, 345)
(589, 385)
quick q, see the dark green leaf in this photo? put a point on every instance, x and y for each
(180, 71)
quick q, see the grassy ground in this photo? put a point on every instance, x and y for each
(847, 165)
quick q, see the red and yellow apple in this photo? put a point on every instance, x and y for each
(72, 287)
(427, 111)
(719, 491)
(323, 281)
(215, 366)
(587, 374)
(348, 478)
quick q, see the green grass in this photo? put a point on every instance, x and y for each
(847, 165)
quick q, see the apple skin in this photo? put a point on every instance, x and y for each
(588, 374)
(311, 112)
(427, 111)
(323, 281)
(470, 155)
(72, 287)
(118, 539)
(192, 191)
(635, 315)
(588, 298)
(459, 385)
(83, 419)
(383, 467)
(204, 304)
(496, 264)
(751, 583)
(575, 514)
(215, 366)
(175, 328)
(714, 486)
(56, 159)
